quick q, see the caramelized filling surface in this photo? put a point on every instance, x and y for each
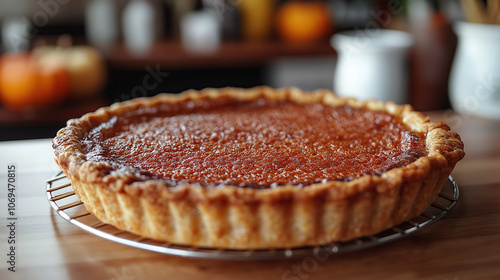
(258, 144)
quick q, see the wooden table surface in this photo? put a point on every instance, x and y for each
(465, 244)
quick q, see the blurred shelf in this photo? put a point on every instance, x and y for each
(57, 115)
(171, 55)
(168, 55)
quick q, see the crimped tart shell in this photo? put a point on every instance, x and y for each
(247, 218)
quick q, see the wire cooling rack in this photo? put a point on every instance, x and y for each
(63, 200)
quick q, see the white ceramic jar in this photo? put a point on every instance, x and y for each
(474, 86)
(372, 64)
(201, 31)
(101, 23)
(138, 23)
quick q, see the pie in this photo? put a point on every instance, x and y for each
(256, 168)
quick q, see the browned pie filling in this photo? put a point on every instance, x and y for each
(258, 144)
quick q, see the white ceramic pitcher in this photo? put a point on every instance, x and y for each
(474, 87)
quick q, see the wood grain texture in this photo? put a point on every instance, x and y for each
(463, 245)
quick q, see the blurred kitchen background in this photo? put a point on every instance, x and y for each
(63, 58)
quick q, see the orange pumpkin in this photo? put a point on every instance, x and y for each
(303, 21)
(84, 63)
(27, 83)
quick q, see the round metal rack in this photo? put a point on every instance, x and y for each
(63, 200)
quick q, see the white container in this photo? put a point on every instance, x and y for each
(101, 23)
(16, 35)
(201, 32)
(372, 64)
(474, 86)
(139, 30)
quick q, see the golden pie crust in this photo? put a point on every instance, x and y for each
(228, 216)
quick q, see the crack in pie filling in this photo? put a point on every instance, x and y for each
(256, 168)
